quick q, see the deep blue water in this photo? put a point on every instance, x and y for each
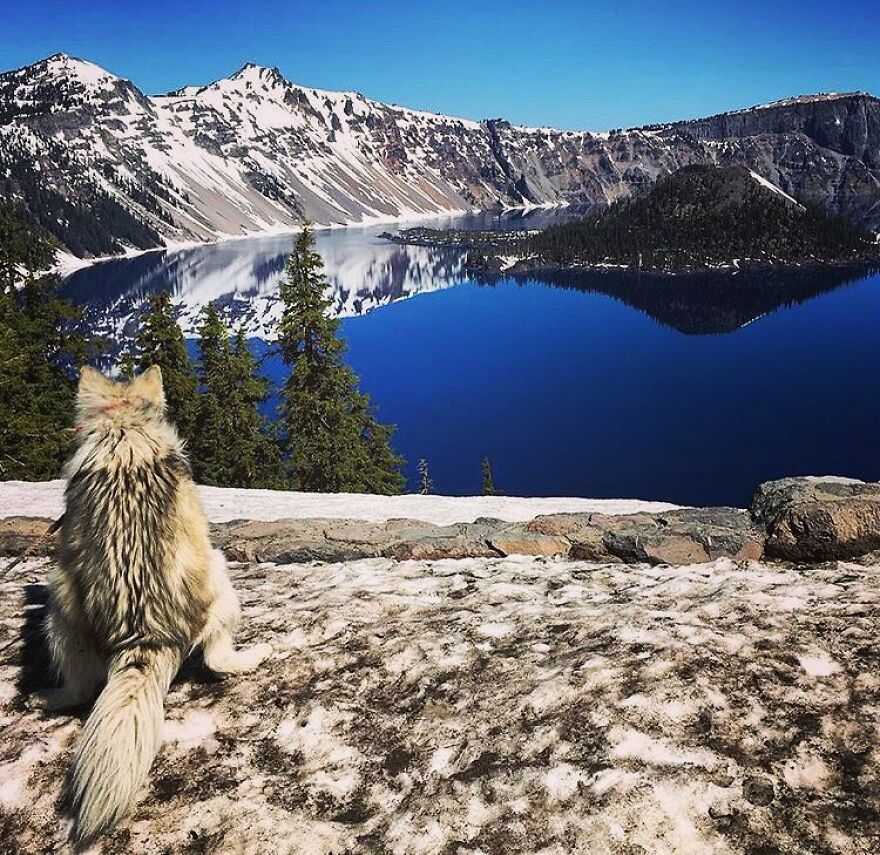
(578, 394)
(610, 385)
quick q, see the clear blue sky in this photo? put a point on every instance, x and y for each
(564, 63)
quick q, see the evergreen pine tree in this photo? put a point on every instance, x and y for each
(426, 485)
(159, 341)
(232, 444)
(382, 474)
(39, 354)
(126, 365)
(209, 450)
(488, 483)
(334, 442)
(257, 461)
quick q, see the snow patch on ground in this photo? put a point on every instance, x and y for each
(819, 665)
(388, 720)
(46, 499)
(196, 728)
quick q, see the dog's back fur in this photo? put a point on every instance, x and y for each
(134, 536)
(138, 586)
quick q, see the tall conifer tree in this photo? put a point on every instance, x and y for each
(159, 341)
(257, 460)
(333, 439)
(39, 354)
(209, 451)
(232, 446)
(488, 481)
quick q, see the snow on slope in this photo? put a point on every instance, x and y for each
(46, 499)
(773, 188)
(87, 73)
(252, 153)
(106, 168)
(306, 143)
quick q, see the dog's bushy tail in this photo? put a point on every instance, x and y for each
(120, 740)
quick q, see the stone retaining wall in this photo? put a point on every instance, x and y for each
(795, 519)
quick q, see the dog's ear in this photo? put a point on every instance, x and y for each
(149, 385)
(92, 383)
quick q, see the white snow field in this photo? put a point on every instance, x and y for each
(46, 499)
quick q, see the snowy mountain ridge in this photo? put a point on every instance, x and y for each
(105, 167)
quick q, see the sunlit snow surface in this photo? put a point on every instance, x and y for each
(772, 187)
(46, 499)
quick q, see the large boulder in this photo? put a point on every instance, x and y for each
(428, 542)
(818, 518)
(298, 541)
(685, 536)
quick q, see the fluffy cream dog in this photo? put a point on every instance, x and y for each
(137, 588)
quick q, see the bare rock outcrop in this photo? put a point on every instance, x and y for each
(20, 535)
(818, 519)
(794, 519)
(676, 537)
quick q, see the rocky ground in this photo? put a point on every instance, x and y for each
(496, 705)
(642, 702)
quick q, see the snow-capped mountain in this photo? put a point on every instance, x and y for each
(105, 167)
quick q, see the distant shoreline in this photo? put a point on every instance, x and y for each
(490, 243)
(69, 263)
(747, 265)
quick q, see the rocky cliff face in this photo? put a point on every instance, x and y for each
(105, 167)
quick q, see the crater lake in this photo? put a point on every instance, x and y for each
(690, 389)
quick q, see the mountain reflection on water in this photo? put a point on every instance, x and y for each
(710, 302)
(366, 272)
(241, 277)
